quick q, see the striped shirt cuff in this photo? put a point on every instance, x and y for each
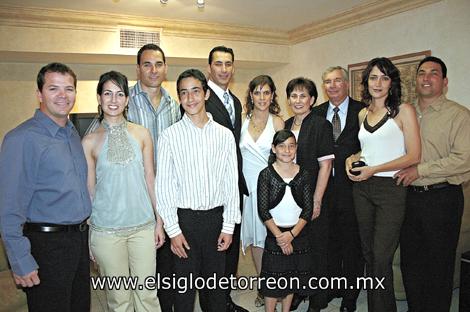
(227, 228)
(173, 230)
(331, 156)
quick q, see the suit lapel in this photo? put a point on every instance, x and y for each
(220, 108)
(349, 120)
(238, 111)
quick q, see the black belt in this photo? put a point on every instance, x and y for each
(425, 188)
(53, 228)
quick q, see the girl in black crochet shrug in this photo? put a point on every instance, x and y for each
(285, 203)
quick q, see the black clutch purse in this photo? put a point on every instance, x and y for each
(357, 164)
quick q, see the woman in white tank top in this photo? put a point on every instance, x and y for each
(390, 141)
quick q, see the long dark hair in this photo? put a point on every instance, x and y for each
(262, 80)
(393, 100)
(279, 137)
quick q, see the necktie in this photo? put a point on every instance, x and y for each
(336, 122)
(228, 107)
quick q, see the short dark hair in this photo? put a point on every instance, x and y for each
(262, 80)
(434, 60)
(194, 73)
(302, 83)
(150, 46)
(54, 68)
(393, 100)
(279, 137)
(116, 78)
(220, 49)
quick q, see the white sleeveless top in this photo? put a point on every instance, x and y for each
(385, 143)
(287, 212)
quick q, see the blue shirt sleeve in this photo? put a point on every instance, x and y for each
(17, 166)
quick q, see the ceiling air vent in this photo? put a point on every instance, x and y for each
(136, 39)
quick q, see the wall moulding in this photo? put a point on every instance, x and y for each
(86, 20)
(359, 15)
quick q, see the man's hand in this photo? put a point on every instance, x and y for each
(28, 280)
(179, 245)
(224, 241)
(407, 175)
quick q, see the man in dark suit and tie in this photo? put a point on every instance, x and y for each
(226, 109)
(344, 248)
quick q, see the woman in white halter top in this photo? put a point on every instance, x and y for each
(125, 227)
(259, 125)
(390, 141)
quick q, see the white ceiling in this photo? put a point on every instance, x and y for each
(281, 15)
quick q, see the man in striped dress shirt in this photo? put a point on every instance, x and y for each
(197, 197)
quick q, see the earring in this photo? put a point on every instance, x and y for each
(390, 91)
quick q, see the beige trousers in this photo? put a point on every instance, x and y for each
(127, 255)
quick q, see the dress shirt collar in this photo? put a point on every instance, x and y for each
(50, 125)
(218, 90)
(166, 98)
(188, 122)
(343, 107)
(436, 105)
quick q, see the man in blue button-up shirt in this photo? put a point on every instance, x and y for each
(44, 200)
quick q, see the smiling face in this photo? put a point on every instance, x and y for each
(57, 96)
(300, 101)
(192, 97)
(113, 100)
(221, 69)
(379, 84)
(285, 151)
(336, 87)
(430, 82)
(262, 97)
(152, 69)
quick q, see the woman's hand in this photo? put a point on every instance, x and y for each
(287, 249)
(316, 209)
(348, 164)
(92, 257)
(159, 235)
(284, 239)
(364, 173)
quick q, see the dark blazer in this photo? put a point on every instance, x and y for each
(218, 111)
(315, 141)
(348, 142)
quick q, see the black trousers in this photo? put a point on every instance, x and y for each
(201, 230)
(428, 244)
(64, 272)
(344, 245)
(166, 297)
(380, 209)
(233, 252)
(319, 233)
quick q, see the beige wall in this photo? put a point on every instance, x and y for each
(442, 28)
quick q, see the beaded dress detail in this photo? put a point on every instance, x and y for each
(119, 148)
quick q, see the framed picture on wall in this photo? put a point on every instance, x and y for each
(407, 64)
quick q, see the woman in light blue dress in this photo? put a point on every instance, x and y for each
(125, 228)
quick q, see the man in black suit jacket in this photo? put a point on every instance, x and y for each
(344, 248)
(226, 109)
